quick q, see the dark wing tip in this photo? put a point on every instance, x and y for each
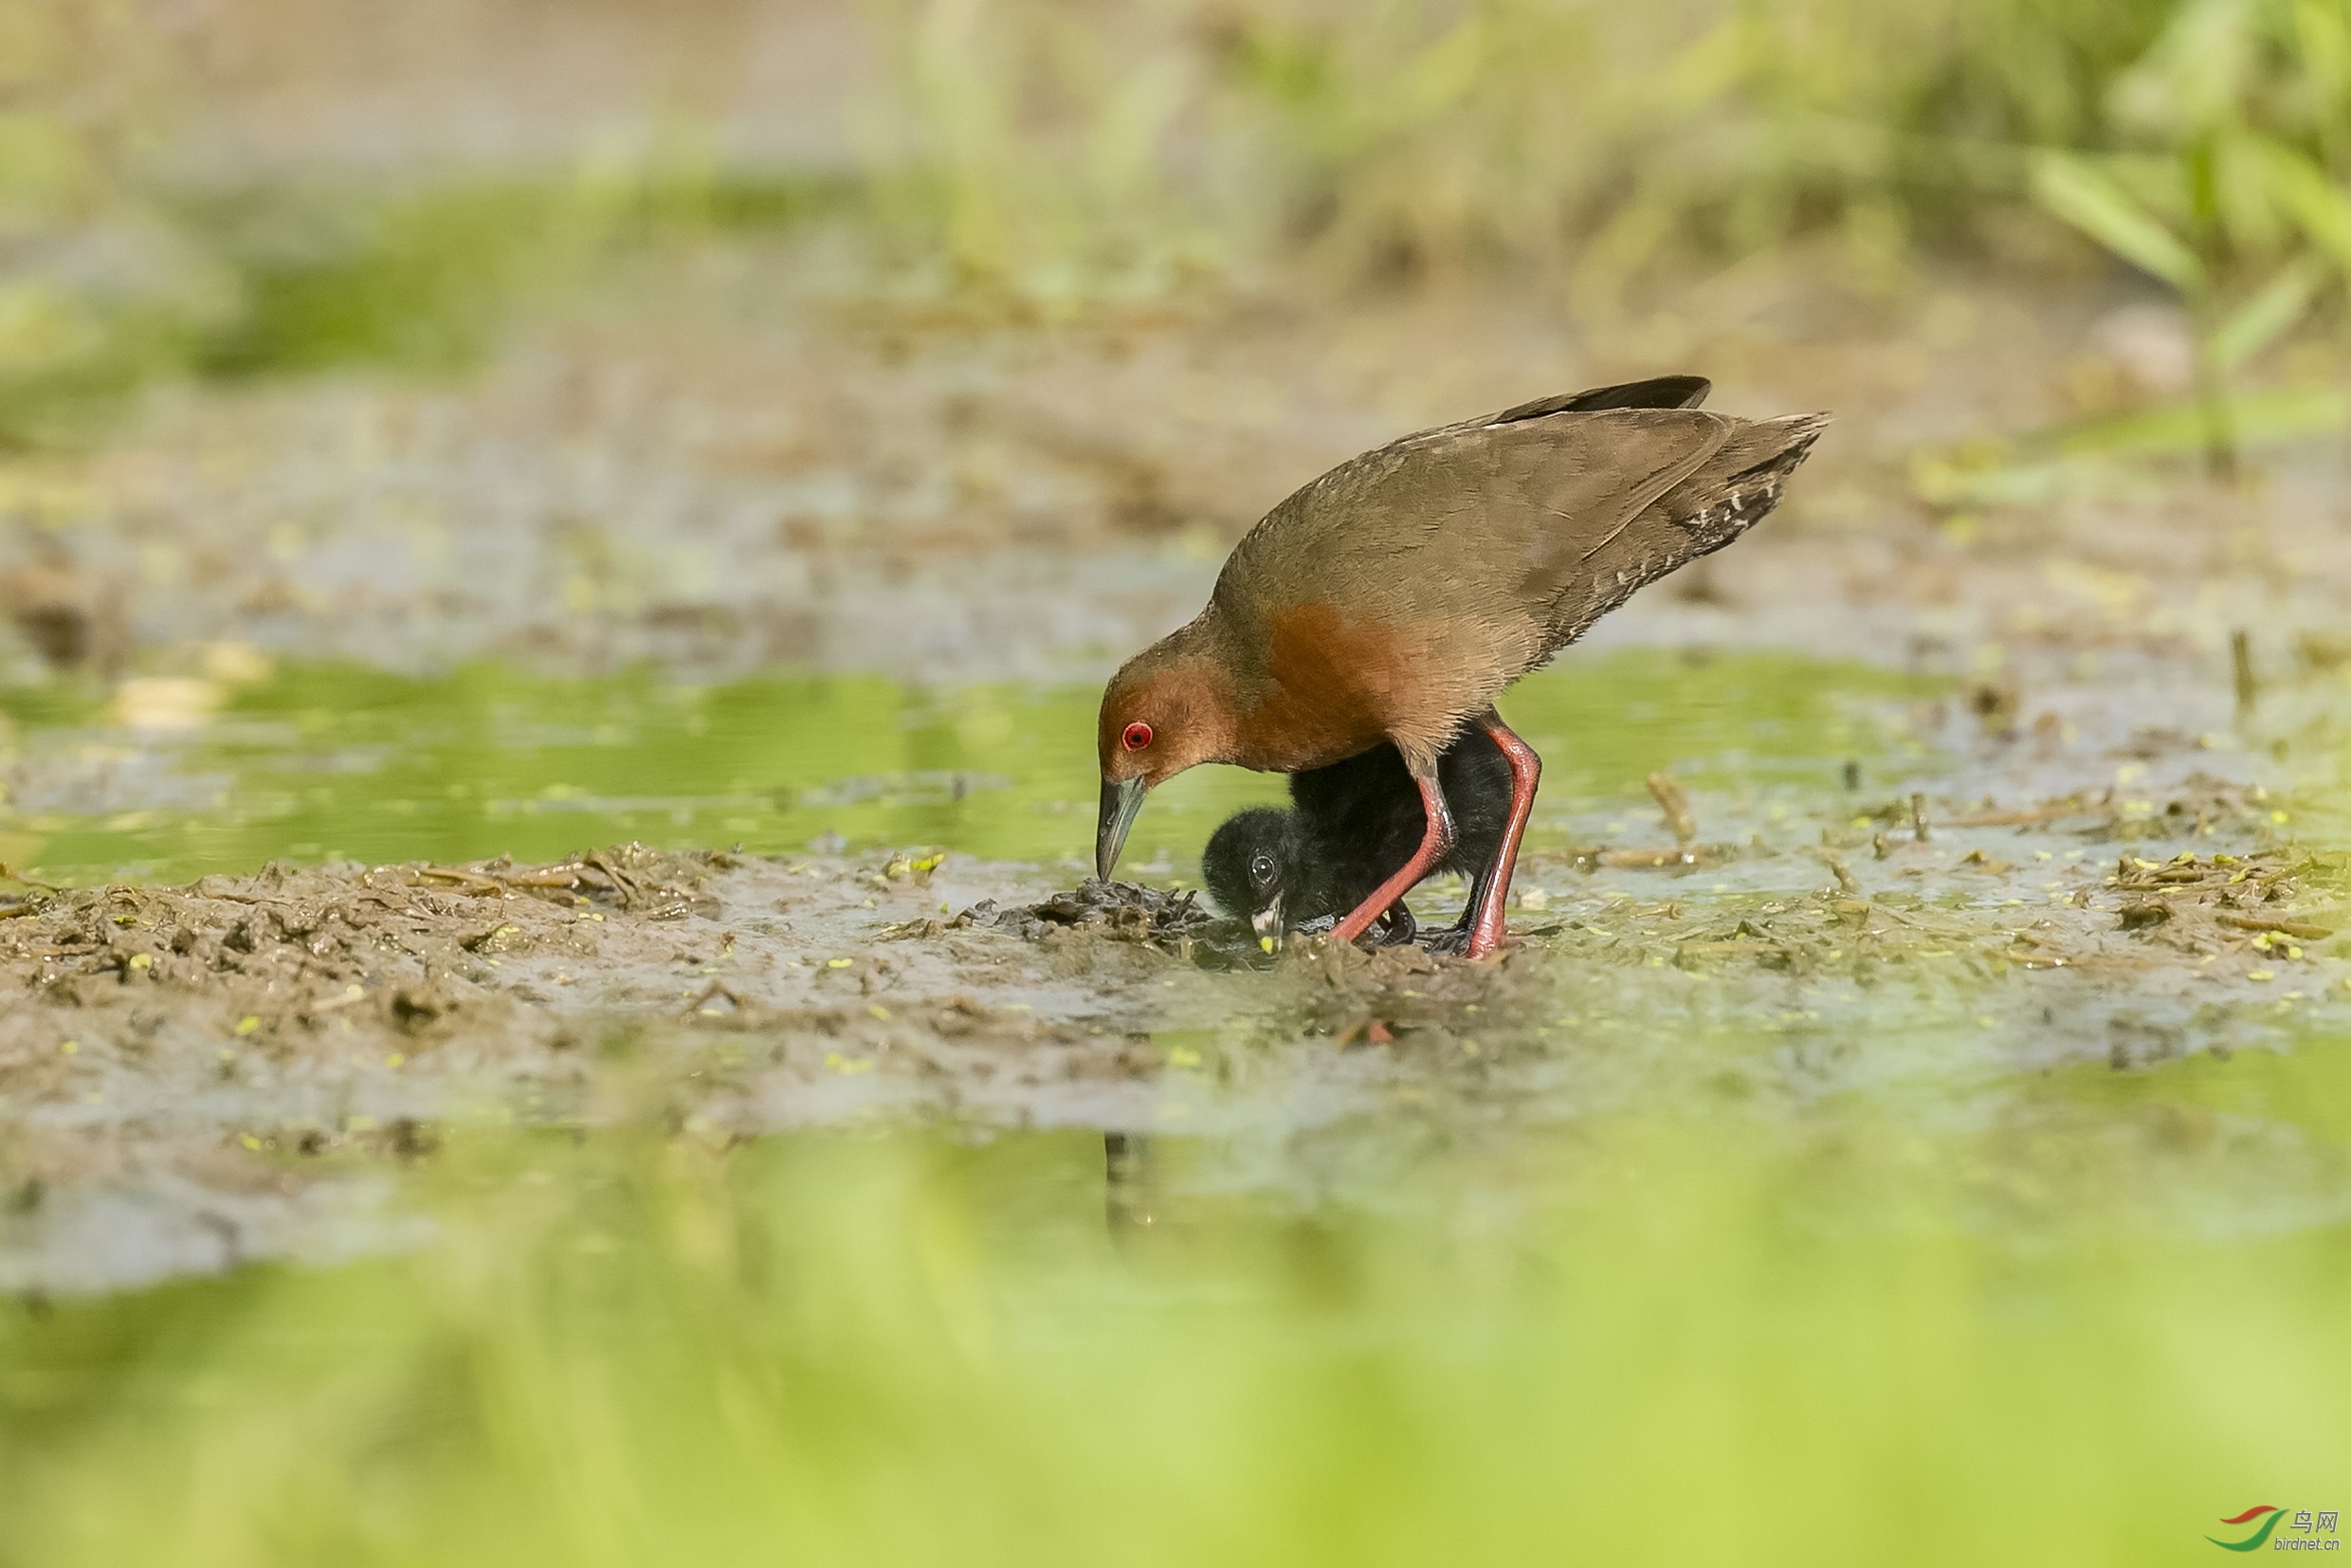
(1658, 392)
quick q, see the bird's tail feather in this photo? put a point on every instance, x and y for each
(1741, 482)
(1732, 491)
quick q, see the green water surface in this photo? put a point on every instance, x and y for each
(342, 762)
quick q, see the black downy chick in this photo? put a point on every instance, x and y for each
(1349, 827)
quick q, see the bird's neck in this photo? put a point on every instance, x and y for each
(1191, 674)
(1240, 709)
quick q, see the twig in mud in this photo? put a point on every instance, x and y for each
(472, 881)
(622, 884)
(1918, 817)
(1661, 860)
(715, 990)
(352, 995)
(1674, 801)
(2303, 929)
(376, 896)
(226, 896)
(1844, 875)
(9, 873)
(2241, 665)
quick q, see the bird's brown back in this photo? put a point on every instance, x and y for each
(1402, 592)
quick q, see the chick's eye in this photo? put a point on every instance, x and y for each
(1262, 868)
(1137, 735)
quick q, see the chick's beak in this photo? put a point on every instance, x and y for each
(1119, 802)
(1267, 923)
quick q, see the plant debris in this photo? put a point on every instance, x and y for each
(1123, 911)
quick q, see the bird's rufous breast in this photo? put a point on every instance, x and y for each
(1333, 689)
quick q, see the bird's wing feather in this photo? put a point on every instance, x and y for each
(1658, 392)
(1479, 520)
(1576, 498)
(1399, 594)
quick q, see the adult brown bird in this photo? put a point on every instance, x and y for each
(1397, 596)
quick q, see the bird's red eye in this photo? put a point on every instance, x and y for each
(1137, 735)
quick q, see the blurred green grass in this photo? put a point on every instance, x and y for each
(1840, 1334)
(1608, 145)
(1057, 157)
(118, 266)
(310, 276)
(423, 280)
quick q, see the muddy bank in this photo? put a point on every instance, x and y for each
(238, 1062)
(231, 1060)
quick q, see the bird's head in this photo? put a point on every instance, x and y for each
(1166, 711)
(1253, 865)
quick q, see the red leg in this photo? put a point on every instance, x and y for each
(1434, 841)
(1487, 931)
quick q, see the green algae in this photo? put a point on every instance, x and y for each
(342, 762)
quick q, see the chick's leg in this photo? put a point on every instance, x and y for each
(1397, 928)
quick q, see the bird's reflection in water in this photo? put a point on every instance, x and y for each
(1130, 1188)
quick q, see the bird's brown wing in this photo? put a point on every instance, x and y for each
(1460, 540)
(1477, 522)
(1735, 488)
(1478, 497)
(1579, 489)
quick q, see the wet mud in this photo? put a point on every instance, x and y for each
(242, 1061)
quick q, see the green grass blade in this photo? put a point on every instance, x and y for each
(2316, 204)
(2268, 315)
(2078, 191)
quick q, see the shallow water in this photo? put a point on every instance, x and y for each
(342, 762)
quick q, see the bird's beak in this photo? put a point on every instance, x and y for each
(1119, 802)
(1267, 923)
